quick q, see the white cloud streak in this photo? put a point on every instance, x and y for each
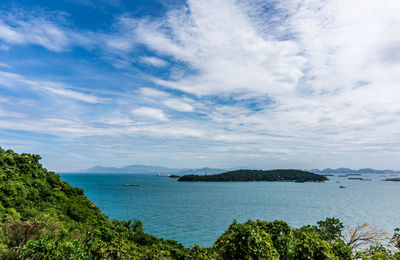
(178, 105)
(44, 30)
(4, 65)
(150, 113)
(154, 61)
(15, 80)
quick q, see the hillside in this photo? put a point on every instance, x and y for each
(43, 217)
(257, 175)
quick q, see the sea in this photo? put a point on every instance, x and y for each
(199, 212)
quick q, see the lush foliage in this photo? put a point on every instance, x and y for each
(43, 217)
(257, 175)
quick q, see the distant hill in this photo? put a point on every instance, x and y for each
(348, 170)
(257, 175)
(144, 169)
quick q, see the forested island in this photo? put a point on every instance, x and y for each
(257, 175)
(43, 217)
(392, 179)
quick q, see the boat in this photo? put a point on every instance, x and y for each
(360, 179)
(131, 185)
(163, 175)
(342, 187)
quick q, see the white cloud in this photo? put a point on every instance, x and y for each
(154, 61)
(178, 105)
(42, 29)
(9, 35)
(15, 80)
(119, 44)
(73, 94)
(151, 92)
(219, 42)
(4, 113)
(181, 105)
(343, 41)
(150, 113)
(4, 65)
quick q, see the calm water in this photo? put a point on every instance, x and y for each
(197, 213)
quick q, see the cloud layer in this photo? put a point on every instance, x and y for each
(212, 83)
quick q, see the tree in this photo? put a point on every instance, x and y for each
(245, 241)
(364, 235)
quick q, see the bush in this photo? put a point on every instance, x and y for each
(245, 241)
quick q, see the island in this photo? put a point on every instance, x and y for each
(392, 179)
(257, 175)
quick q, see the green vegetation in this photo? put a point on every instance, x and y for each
(257, 175)
(392, 179)
(43, 217)
(174, 176)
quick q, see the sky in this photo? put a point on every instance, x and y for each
(218, 83)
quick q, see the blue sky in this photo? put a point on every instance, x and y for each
(263, 84)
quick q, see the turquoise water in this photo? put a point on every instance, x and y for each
(197, 213)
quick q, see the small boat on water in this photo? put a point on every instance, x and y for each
(342, 187)
(131, 185)
(163, 175)
(360, 179)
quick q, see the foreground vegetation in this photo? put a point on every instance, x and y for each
(257, 175)
(43, 217)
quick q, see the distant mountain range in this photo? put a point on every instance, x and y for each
(347, 170)
(144, 169)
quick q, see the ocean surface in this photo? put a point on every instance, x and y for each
(197, 213)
